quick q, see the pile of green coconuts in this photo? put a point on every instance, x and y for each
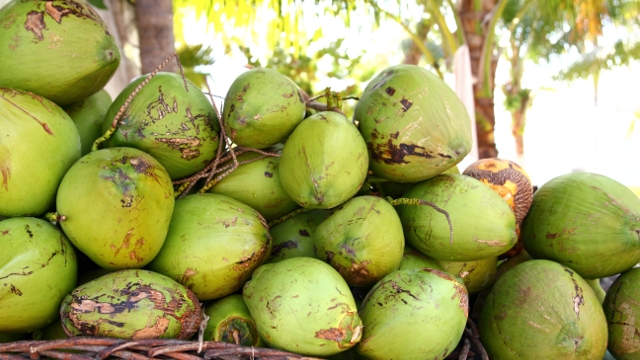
(325, 236)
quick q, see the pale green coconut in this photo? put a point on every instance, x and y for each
(483, 223)
(213, 245)
(476, 274)
(543, 310)
(37, 269)
(179, 128)
(588, 222)
(414, 124)
(230, 321)
(622, 309)
(38, 144)
(262, 107)
(294, 237)
(131, 304)
(257, 184)
(414, 259)
(116, 204)
(427, 302)
(303, 305)
(59, 49)
(88, 114)
(362, 239)
(324, 162)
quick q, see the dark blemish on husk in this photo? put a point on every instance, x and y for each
(304, 233)
(389, 153)
(15, 290)
(330, 255)
(385, 77)
(240, 96)
(17, 274)
(44, 125)
(29, 231)
(390, 91)
(4, 232)
(332, 334)
(268, 174)
(406, 104)
(277, 249)
(444, 156)
(58, 12)
(5, 170)
(578, 299)
(357, 274)
(188, 147)
(140, 165)
(35, 24)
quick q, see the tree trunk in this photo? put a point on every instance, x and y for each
(473, 13)
(517, 129)
(155, 29)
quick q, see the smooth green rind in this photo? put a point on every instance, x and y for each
(131, 304)
(483, 224)
(414, 259)
(230, 321)
(294, 237)
(476, 274)
(414, 124)
(213, 245)
(180, 129)
(585, 221)
(324, 162)
(87, 115)
(362, 239)
(37, 269)
(622, 309)
(257, 184)
(61, 50)
(597, 289)
(117, 204)
(427, 302)
(262, 107)
(303, 305)
(38, 144)
(543, 310)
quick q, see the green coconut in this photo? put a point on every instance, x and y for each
(213, 245)
(588, 222)
(294, 237)
(362, 239)
(117, 205)
(38, 144)
(303, 305)
(262, 107)
(483, 224)
(37, 269)
(407, 302)
(179, 128)
(597, 289)
(476, 274)
(414, 124)
(131, 304)
(622, 309)
(543, 310)
(414, 259)
(257, 184)
(230, 321)
(88, 114)
(59, 49)
(324, 162)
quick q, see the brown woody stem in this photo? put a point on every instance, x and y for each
(420, 202)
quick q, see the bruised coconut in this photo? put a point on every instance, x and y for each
(213, 245)
(362, 239)
(261, 109)
(543, 310)
(428, 302)
(131, 304)
(38, 268)
(116, 204)
(324, 163)
(588, 222)
(414, 125)
(39, 143)
(61, 50)
(483, 224)
(303, 305)
(179, 128)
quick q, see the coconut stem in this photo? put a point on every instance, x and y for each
(54, 217)
(311, 102)
(203, 327)
(420, 202)
(288, 216)
(472, 333)
(123, 108)
(464, 353)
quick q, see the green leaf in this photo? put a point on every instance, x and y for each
(98, 4)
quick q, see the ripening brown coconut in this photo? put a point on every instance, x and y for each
(510, 181)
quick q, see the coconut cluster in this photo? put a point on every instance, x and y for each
(281, 223)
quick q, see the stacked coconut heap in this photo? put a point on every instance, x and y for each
(294, 228)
